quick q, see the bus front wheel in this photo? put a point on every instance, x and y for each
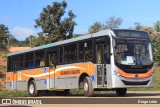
(121, 91)
(32, 90)
(87, 87)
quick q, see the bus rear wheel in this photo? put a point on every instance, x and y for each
(87, 87)
(32, 90)
(121, 91)
(63, 93)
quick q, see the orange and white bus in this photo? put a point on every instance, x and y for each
(110, 59)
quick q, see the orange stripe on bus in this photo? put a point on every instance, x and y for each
(129, 75)
(39, 73)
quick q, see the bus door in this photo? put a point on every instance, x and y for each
(15, 69)
(101, 66)
(52, 66)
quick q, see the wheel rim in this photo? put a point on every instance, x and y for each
(85, 86)
(31, 89)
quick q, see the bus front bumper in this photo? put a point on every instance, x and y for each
(121, 82)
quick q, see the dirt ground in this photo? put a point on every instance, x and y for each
(15, 49)
(85, 105)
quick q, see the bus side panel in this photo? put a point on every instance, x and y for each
(22, 85)
(42, 84)
(67, 83)
(109, 76)
(9, 80)
(40, 75)
(67, 76)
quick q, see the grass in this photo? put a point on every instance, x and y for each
(76, 91)
(11, 94)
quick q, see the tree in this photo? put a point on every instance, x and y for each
(153, 34)
(97, 26)
(4, 34)
(157, 26)
(113, 22)
(138, 26)
(53, 27)
(13, 41)
(77, 35)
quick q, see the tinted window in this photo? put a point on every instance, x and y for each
(40, 58)
(85, 50)
(70, 53)
(9, 66)
(61, 54)
(21, 62)
(15, 64)
(29, 57)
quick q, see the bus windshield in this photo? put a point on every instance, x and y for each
(129, 52)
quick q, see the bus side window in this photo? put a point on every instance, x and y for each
(39, 58)
(70, 53)
(21, 62)
(61, 54)
(85, 51)
(29, 57)
(15, 64)
(9, 64)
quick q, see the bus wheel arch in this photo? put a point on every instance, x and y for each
(81, 80)
(85, 83)
(32, 88)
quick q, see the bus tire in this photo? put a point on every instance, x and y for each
(87, 87)
(32, 90)
(121, 91)
(63, 93)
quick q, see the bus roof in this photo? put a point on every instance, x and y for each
(100, 33)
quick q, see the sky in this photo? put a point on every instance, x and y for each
(19, 15)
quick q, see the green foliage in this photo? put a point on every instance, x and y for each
(4, 34)
(138, 26)
(111, 23)
(76, 91)
(53, 27)
(77, 35)
(15, 42)
(156, 50)
(3, 54)
(11, 94)
(2, 67)
(3, 76)
(97, 26)
(37, 41)
(157, 26)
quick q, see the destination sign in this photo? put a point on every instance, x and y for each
(131, 34)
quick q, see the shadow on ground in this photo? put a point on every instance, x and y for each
(106, 94)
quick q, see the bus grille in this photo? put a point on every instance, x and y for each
(136, 70)
(135, 83)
